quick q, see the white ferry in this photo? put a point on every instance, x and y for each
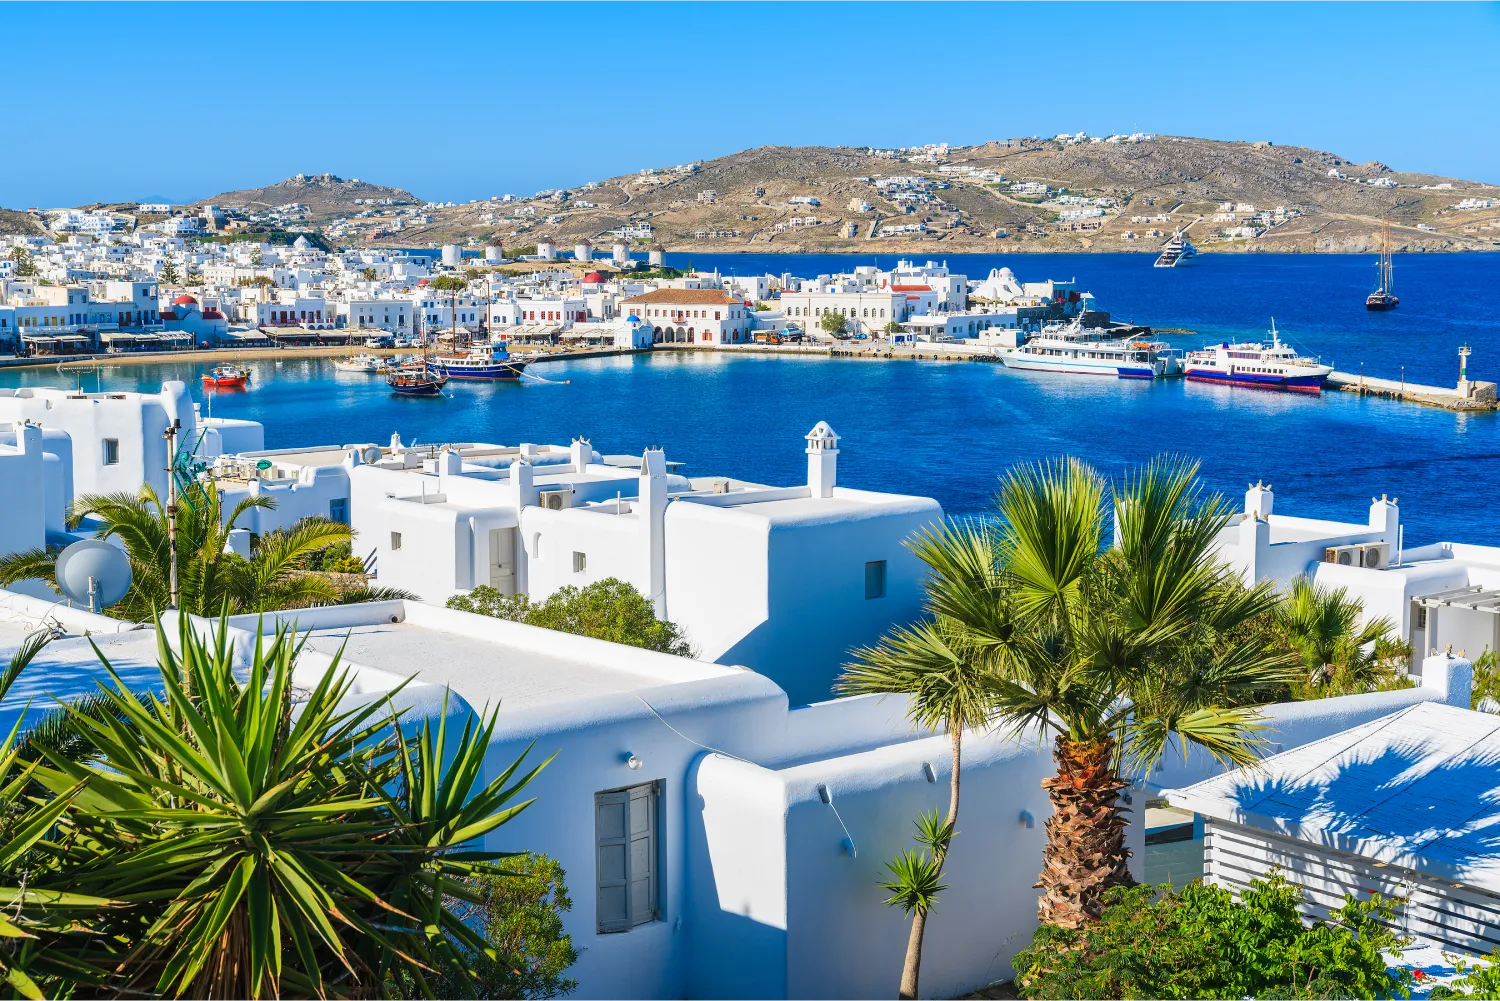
(1077, 351)
(1273, 366)
(480, 362)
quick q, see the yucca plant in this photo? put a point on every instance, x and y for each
(266, 842)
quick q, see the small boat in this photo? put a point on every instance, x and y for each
(365, 364)
(1073, 350)
(1258, 365)
(486, 362)
(1176, 252)
(1383, 298)
(227, 377)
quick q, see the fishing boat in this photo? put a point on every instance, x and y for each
(1073, 350)
(486, 362)
(416, 382)
(365, 364)
(1259, 365)
(1176, 252)
(1384, 297)
(226, 377)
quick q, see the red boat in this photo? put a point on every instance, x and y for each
(227, 377)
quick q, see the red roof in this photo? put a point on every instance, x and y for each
(911, 288)
(593, 278)
(184, 300)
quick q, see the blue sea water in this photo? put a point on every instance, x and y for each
(948, 429)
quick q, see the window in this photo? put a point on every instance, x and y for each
(111, 451)
(396, 542)
(580, 562)
(875, 579)
(625, 825)
(338, 510)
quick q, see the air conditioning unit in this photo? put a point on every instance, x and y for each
(556, 500)
(1375, 555)
(1344, 556)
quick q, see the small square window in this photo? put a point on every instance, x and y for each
(580, 562)
(875, 579)
(111, 451)
(395, 541)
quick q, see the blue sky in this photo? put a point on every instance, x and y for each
(469, 100)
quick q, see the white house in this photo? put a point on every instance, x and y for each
(693, 316)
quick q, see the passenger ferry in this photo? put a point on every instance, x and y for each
(480, 362)
(1276, 366)
(1073, 350)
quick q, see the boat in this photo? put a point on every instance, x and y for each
(487, 362)
(1383, 297)
(1261, 366)
(410, 382)
(226, 377)
(1074, 350)
(366, 364)
(1176, 252)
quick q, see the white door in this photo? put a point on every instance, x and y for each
(503, 560)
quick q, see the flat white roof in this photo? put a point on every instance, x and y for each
(1419, 788)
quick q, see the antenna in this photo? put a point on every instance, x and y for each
(94, 573)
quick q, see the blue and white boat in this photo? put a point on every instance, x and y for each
(1259, 365)
(487, 362)
(1074, 350)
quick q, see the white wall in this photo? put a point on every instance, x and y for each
(23, 491)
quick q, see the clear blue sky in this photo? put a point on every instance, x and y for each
(181, 101)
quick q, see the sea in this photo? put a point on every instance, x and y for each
(949, 430)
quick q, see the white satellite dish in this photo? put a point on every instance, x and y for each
(93, 573)
(371, 455)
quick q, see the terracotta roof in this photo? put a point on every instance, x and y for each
(686, 297)
(911, 288)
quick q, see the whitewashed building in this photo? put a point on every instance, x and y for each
(693, 316)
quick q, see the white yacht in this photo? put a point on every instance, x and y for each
(364, 364)
(1176, 252)
(1263, 366)
(1072, 349)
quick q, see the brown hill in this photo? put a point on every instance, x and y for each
(326, 196)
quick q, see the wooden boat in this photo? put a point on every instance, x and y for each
(226, 377)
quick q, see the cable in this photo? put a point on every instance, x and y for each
(685, 737)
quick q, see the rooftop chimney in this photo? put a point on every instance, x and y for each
(822, 460)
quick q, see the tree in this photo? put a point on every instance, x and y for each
(1115, 652)
(609, 609)
(832, 323)
(24, 266)
(948, 685)
(209, 578)
(168, 275)
(368, 274)
(268, 842)
(893, 327)
(1321, 628)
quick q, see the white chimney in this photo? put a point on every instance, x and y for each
(581, 453)
(822, 460)
(652, 494)
(1259, 500)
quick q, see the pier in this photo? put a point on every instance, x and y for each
(1467, 395)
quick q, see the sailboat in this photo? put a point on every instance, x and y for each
(416, 379)
(1384, 297)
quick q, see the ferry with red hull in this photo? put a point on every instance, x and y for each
(1257, 365)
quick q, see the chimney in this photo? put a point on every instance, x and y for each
(1254, 546)
(1385, 518)
(522, 492)
(1259, 500)
(582, 454)
(822, 460)
(652, 492)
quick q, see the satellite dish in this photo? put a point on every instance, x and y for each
(371, 455)
(93, 573)
(263, 465)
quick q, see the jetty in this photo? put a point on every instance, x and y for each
(1466, 395)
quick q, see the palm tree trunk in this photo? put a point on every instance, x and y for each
(1085, 853)
(911, 970)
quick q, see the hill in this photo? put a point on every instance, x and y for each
(326, 196)
(988, 198)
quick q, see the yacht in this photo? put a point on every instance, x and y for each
(1263, 366)
(1072, 349)
(366, 364)
(1176, 252)
(480, 362)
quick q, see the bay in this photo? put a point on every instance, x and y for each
(947, 430)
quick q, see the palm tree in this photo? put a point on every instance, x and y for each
(242, 839)
(948, 687)
(210, 577)
(1339, 656)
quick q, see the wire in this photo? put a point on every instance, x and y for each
(684, 736)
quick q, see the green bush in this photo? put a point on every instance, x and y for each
(1475, 982)
(609, 609)
(1198, 942)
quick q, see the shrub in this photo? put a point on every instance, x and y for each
(1476, 981)
(609, 609)
(1153, 942)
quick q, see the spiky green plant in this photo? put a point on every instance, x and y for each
(265, 843)
(1339, 654)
